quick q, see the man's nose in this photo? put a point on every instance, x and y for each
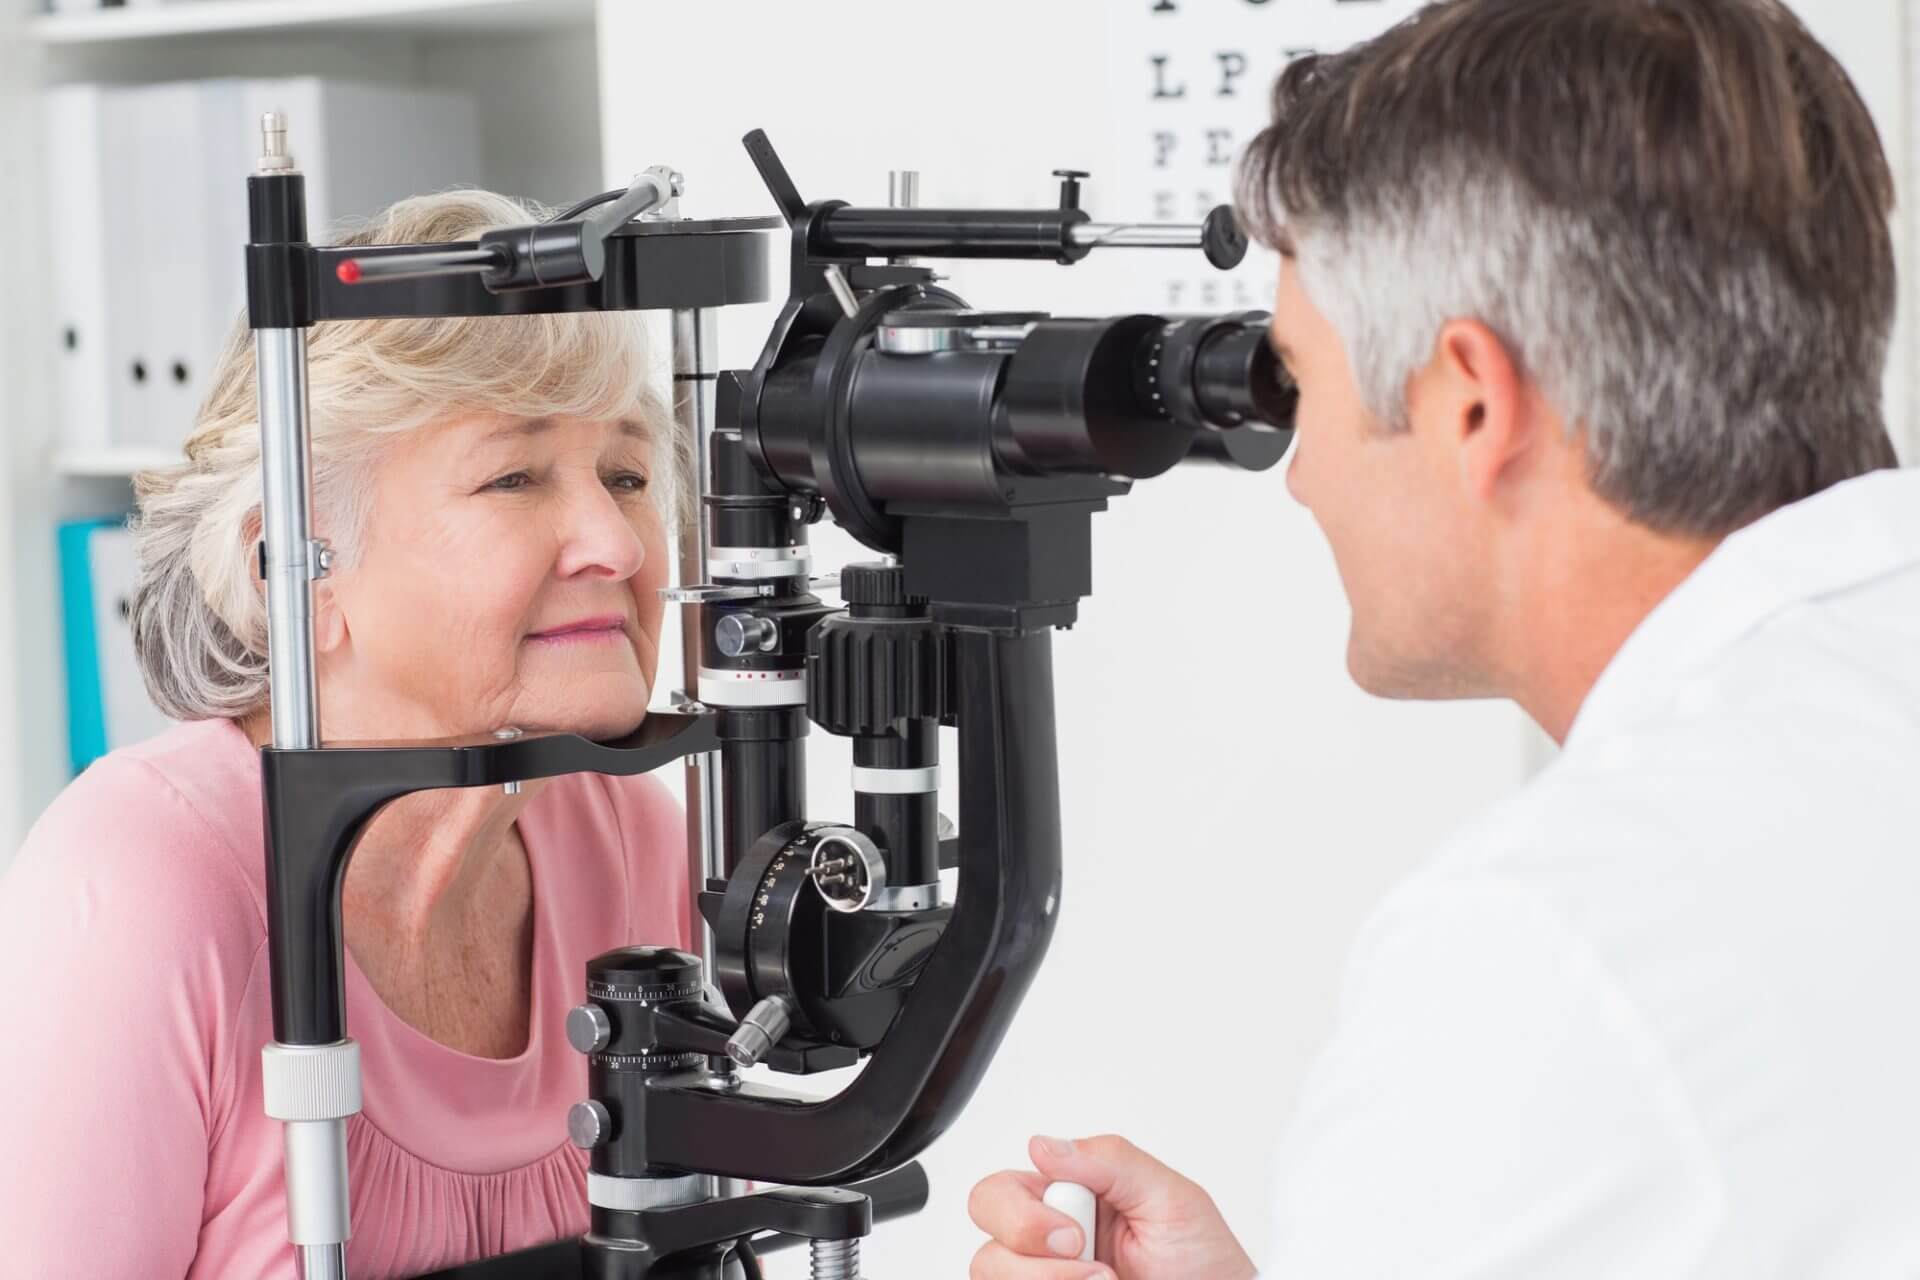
(1296, 480)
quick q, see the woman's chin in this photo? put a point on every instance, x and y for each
(608, 706)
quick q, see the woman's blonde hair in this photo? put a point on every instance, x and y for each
(199, 619)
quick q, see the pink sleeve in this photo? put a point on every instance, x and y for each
(126, 937)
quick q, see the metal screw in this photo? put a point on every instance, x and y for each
(836, 1259)
(507, 735)
(841, 290)
(274, 157)
(903, 188)
(760, 1030)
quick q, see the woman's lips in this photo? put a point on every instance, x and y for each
(585, 631)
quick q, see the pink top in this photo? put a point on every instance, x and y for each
(134, 1002)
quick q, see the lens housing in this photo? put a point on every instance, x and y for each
(1218, 376)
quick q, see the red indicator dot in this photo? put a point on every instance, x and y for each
(348, 272)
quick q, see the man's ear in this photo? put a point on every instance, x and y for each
(1473, 395)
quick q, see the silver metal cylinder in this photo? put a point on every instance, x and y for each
(323, 1262)
(763, 1027)
(903, 188)
(836, 1259)
(696, 365)
(280, 357)
(1137, 235)
(316, 1166)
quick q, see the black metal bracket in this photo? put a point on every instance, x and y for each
(317, 803)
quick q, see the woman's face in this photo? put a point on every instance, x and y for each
(508, 575)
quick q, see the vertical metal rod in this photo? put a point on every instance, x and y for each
(315, 1165)
(280, 357)
(323, 1262)
(695, 368)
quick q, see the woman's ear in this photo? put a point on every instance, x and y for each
(330, 631)
(329, 619)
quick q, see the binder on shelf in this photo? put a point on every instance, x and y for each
(171, 265)
(150, 219)
(130, 355)
(76, 146)
(107, 702)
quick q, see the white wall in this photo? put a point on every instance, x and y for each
(1870, 37)
(18, 326)
(1229, 817)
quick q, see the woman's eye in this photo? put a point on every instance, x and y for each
(511, 481)
(627, 482)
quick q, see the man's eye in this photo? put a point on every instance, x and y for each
(511, 481)
(627, 482)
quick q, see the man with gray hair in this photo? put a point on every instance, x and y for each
(1588, 303)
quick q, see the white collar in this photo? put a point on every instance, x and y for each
(1862, 529)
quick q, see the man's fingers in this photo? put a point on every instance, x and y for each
(1007, 1207)
(1123, 1176)
(997, 1262)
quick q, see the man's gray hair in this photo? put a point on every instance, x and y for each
(1672, 212)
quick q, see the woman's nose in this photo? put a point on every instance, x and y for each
(599, 538)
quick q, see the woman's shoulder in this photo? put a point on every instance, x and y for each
(166, 831)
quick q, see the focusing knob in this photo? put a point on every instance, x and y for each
(870, 671)
(738, 634)
(1070, 180)
(588, 1029)
(645, 975)
(1224, 243)
(589, 1125)
(760, 1030)
(874, 585)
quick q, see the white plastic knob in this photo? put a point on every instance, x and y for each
(1079, 1204)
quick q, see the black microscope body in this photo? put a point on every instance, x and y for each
(970, 451)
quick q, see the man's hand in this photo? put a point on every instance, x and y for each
(1154, 1224)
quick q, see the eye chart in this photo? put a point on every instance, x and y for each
(1190, 83)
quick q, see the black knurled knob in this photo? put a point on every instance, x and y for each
(645, 975)
(881, 585)
(867, 673)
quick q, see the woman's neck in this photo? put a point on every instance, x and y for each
(438, 896)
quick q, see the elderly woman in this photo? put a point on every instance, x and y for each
(494, 492)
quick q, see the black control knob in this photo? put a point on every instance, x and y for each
(1222, 238)
(588, 1125)
(644, 975)
(881, 661)
(1070, 186)
(588, 1028)
(876, 586)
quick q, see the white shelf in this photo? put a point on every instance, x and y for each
(113, 460)
(211, 17)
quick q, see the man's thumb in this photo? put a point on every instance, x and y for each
(1119, 1173)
